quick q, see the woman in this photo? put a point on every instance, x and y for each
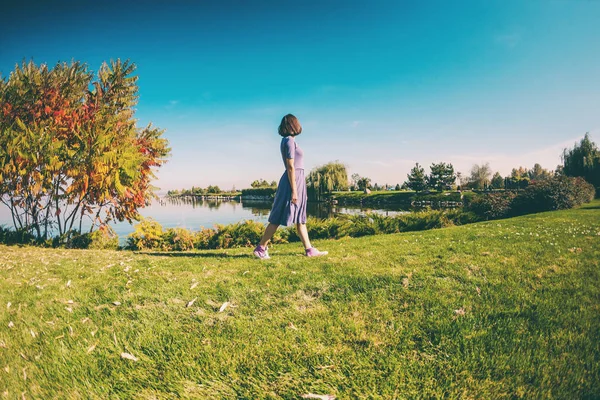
(289, 206)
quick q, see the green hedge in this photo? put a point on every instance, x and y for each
(149, 235)
(557, 193)
(263, 192)
(394, 197)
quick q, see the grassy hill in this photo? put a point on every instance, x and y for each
(502, 309)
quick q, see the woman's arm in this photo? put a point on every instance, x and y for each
(289, 167)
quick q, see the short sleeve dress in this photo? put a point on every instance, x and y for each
(284, 212)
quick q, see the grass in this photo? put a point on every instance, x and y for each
(501, 309)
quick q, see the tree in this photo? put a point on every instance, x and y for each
(480, 176)
(417, 180)
(363, 183)
(497, 181)
(519, 179)
(327, 178)
(538, 173)
(261, 183)
(442, 176)
(70, 148)
(354, 181)
(583, 160)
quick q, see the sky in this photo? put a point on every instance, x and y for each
(376, 85)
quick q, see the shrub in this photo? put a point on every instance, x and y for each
(245, 233)
(10, 237)
(178, 239)
(148, 235)
(262, 192)
(104, 238)
(492, 205)
(203, 238)
(556, 193)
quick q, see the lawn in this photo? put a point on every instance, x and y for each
(502, 309)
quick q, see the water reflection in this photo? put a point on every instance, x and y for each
(194, 213)
(261, 208)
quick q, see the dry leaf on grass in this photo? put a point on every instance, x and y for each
(7, 369)
(116, 303)
(8, 305)
(69, 283)
(460, 311)
(91, 348)
(33, 334)
(245, 272)
(128, 356)
(10, 324)
(292, 326)
(318, 396)
(326, 366)
(193, 285)
(191, 302)
(69, 309)
(478, 290)
(224, 306)
(2, 344)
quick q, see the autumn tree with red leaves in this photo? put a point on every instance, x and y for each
(70, 149)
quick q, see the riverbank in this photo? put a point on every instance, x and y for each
(505, 308)
(402, 198)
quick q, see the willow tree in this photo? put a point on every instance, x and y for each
(70, 149)
(326, 179)
(583, 160)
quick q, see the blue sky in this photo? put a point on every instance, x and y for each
(377, 85)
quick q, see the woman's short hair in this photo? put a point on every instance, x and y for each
(290, 126)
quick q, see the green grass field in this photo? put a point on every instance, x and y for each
(502, 309)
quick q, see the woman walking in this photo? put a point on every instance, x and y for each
(289, 205)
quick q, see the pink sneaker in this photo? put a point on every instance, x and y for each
(313, 252)
(261, 252)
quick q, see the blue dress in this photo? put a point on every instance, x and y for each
(284, 212)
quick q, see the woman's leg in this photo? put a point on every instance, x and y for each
(310, 251)
(269, 232)
(303, 233)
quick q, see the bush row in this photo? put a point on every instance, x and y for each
(149, 234)
(552, 194)
(557, 193)
(262, 192)
(104, 238)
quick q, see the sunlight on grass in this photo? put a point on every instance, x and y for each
(507, 308)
